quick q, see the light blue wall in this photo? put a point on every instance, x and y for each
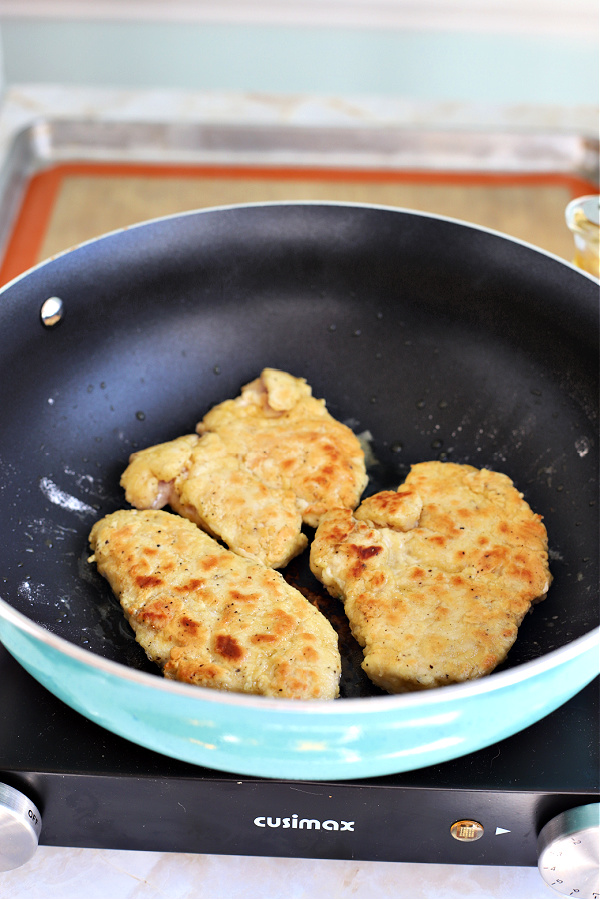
(436, 66)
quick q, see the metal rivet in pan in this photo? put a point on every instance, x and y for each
(52, 311)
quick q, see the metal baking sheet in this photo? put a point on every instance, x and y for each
(514, 180)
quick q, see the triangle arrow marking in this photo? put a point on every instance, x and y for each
(502, 830)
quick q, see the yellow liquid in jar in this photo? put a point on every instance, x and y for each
(582, 219)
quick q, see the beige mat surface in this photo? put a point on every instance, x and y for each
(90, 205)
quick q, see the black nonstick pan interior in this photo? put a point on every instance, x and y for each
(432, 338)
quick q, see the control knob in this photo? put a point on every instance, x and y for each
(20, 826)
(569, 852)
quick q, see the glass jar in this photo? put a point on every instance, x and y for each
(583, 219)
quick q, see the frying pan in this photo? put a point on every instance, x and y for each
(430, 337)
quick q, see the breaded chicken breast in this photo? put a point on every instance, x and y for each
(200, 479)
(210, 617)
(258, 467)
(437, 576)
(288, 439)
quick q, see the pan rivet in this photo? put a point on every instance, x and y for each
(52, 311)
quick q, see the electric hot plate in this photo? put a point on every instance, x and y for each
(94, 789)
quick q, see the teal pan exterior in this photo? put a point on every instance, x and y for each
(326, 740)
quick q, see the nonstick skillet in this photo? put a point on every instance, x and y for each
(431, 338)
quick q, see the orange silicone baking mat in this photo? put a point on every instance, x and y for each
(68, 203)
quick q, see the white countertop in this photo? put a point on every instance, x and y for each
(57, 872)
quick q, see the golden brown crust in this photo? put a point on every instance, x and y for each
(438, 600)
(209, 617)
(206, 484)
(259, 467)
(288, 439)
